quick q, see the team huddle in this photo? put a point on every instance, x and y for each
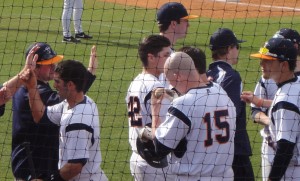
(186, 122)
(198, 132)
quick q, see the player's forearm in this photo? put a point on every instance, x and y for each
(70, 170)
(155, 123)
(36, 104)
(263, 103)
(13, 84)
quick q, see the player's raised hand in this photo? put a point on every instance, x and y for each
(5, 95)
(93, 64)
(29, 78)
(31, 58)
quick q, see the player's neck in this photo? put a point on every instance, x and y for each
(74, 99)
(285, 77)
(152, 71)
(171, 36)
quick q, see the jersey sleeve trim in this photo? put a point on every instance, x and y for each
(81, 126)
(284, 105)
(83, 161)
(177, 113)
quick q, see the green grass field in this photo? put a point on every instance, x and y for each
(117, 30)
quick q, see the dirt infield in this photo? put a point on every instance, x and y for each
(227, 8)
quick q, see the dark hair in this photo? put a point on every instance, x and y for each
(292, 64)
(74, 71)
(152, 44)
(220, 52)
(198, 57)
(165, 25)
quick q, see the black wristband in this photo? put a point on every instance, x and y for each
(56, 177)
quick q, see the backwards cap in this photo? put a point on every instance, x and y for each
(46, 55)
(277, 49)
(287, 33)
(172, 11)
(222, 38)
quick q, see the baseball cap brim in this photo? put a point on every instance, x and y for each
(261, 56)
(241, 41)
(53, 60)
(190, 17)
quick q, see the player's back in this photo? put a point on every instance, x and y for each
(210, 146)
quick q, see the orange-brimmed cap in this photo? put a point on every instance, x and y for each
(46, 56)
(277, 49)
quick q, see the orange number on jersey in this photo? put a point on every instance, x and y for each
(219, 124)
(134, 108)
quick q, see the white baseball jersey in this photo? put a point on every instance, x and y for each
(79, 137)
(138, 104)
(285, 117)
(265, 89)
(139, 115)
(206, 117)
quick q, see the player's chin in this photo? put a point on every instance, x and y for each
(266, 75)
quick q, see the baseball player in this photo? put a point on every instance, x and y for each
(44, 147)
(200, 125)
(262, 98)
(153, 52)
(173, 23)
(75, 8)
(225, 49)
(278, 56)
(78, 119)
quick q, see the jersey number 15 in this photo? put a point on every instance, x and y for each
(222, 125)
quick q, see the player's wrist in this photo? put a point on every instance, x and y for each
(260, 102)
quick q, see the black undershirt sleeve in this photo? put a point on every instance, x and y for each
(161, 149)
(282, 159)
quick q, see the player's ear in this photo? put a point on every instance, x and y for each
(150, 56)
(284, 66)
(71, 85)
(173, 24)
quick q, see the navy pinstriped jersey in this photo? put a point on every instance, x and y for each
(79, 136)
(230, 80)
(285, 115)
(205, 116)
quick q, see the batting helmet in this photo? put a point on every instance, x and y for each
(146, 150)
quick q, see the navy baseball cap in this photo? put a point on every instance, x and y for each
(287, 33)
(277, 49)
(173, 11)
(46, 56)
(223, 37)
